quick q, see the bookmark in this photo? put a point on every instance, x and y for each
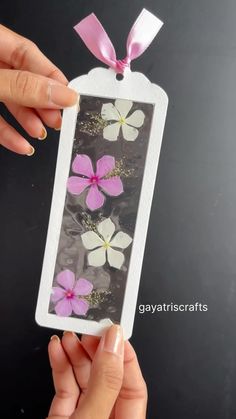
(105, 176)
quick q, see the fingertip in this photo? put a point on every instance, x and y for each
(52, 348)
(53, 342)
(57, 126)
(55, 338)
(68, 338)
(69, 333)
(31, 151)
(57, 356)
(19, 145)
(43, 134)
(62, 96)
(51, 117)
(113, 341)
(72, 345)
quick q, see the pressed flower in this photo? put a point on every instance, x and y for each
(68, 295)
(94, 181)
(103, 243)
(118, 113)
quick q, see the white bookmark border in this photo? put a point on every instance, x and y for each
(136, 87)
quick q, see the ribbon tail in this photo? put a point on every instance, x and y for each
(98, 42)
(96, 39)
(142, 33)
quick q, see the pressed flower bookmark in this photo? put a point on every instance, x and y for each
(105, 176)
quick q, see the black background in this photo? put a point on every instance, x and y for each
(188, 359)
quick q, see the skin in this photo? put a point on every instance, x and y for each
(32, 88)
(92, 383)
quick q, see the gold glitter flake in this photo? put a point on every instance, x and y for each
(96, 297)
(90, 225)
(94, 125)
(120, 170)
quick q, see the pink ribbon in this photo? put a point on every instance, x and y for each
(98, 42)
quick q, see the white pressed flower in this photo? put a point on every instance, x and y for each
(118, 113)
(102, 246)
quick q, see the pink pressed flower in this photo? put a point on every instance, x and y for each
(66, 298)
(82, 165)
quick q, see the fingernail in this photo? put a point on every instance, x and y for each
(67, 332)
(58, 125)
(113, 340)
(43, 134)
(55, 337)
(32, 150)
(62, 96)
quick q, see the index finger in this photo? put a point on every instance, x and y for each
(22, 54)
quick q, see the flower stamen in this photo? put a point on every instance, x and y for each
(69, 294)
(94, 180)
(122, 120)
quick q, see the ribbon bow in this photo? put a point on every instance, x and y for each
(98, 42)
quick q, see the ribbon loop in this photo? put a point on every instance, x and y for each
(98, 42)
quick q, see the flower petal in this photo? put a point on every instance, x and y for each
(91, 240)
(109, 112)
(57, 294)
(95, 199)
(76, 185)
(97, 257)
(115, 258)
(106, 228)
(83, 287)
(112, 186)
(63, 308)
(136, 119)
(129, 133)
(66, 279)
(79, 306)
(111, 132)
(121, 240)
(82, 165)
(105, 165)
(123, 106)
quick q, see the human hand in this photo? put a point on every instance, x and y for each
(96, 378)
(32, 88)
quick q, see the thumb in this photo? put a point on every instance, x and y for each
(106, 377)
(34, 91)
